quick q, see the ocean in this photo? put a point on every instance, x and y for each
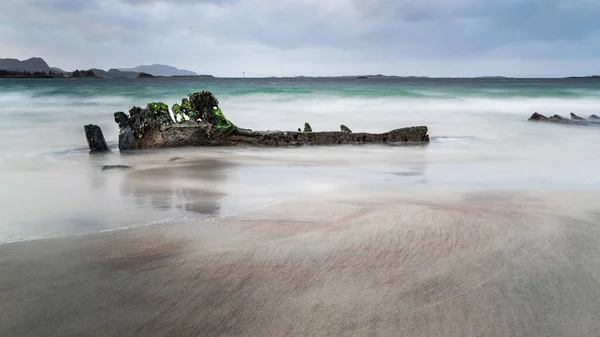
(480, 140)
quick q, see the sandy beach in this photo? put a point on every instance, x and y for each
(386, 262)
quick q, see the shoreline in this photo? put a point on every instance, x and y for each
(349, 264)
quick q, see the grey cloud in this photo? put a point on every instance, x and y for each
(313, 34)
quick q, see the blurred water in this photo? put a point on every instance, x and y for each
(480, 139)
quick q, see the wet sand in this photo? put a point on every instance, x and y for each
(411, 262)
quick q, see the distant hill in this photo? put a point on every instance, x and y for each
(114, 73)
(58, 70)
(37, 64)
(160, 70)
(31, 65)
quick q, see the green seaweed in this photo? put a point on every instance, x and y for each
(186, 107)
(159, 111)
(177, 114)
(222, 121)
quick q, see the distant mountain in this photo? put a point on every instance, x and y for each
(114, 73)
(37, 65)
(31, 65)
(58, 70)
(160, 70)
(99, 72)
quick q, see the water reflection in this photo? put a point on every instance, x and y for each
(189, 186)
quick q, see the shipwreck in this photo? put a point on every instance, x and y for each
(593, 120)
(199, 121)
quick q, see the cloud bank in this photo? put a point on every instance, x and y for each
(310, 37)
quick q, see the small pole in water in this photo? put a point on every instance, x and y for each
(244, 74)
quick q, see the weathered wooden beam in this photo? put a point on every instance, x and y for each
(186, 135)
(200, 122)
(95, 139)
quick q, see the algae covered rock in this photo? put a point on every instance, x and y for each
(177, 114)
(307, 128)
(138, 119)
(182, 112)
(159, 112)
(202, 104)
(206, 109)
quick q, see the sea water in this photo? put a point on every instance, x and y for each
(480, 139)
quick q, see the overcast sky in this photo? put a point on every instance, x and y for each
(310, 37)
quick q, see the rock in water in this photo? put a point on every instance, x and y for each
(115, 167)
(307, 128)
(345, 128)
(299, 130)
(594, 117)
(576, 118)
(537, 117)
(95, 139)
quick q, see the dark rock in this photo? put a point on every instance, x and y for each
(594, 117)
(299, 130)
(95, 139)
(576, 118)
(537, 117)
(172, 160)
(115, 167)
(307, 128)
(345, 128)
(122, 119)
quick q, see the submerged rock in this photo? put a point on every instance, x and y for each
(307, 128)
(345, 128)
(576, 118)
(537, 117)
(95, 139)
(115, 167)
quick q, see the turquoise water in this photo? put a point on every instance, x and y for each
(480, 139)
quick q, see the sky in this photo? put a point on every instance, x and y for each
(524, 38)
